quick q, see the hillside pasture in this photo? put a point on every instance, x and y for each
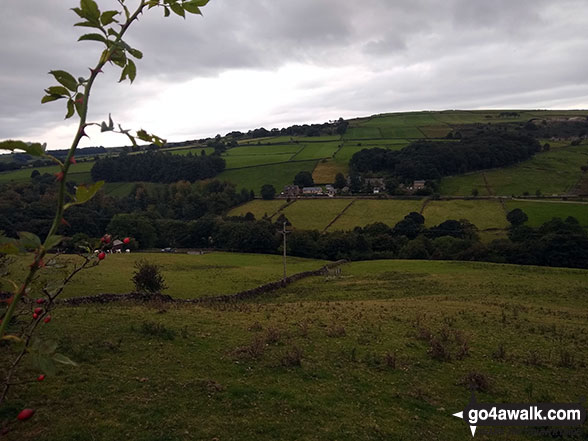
(258, 207)
(187, 276)
(540, 212)
(278, 175)
(388, 350)
(318, 150)
(484, 214)
(326, 170)
(314, 214)
(553, 172)
(369, 211)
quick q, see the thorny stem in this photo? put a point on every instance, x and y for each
(28, 335)
(42, 251)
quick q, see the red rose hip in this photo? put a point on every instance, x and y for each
(102, 255)
(41, 377)
(127, 240)
(25, 414)
(47, 319)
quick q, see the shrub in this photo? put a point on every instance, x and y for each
(148, 278)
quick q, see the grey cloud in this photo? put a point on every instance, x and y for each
(421, 53)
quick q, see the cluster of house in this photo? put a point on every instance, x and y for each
(372, 185)
(292, 191)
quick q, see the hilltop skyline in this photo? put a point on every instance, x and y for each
(275, 64)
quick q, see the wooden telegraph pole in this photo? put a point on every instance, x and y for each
(284, 232)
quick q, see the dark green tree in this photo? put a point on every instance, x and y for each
(268, 191)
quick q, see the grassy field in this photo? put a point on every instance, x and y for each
(258, 207)
(79, 173)
(314, 214)
(368, 211)
(326, 170)
(278, 175)
(484, 214)
(561, 166)
(540, 212)
(386, 351)
(318, 150)
(187, 276)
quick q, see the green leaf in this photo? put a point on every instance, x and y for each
(107, 17)
(79, 103)
(112, 32)
(165, 11)
(90, 9)
(70, 109)
(88, 24)
(29, 241)
(65, 79)
(119, 58)
(47, 347)
(177, 9)
(33, 149)
(93, 37)
(46, 365)
(131, 70)
(135, 53)
(123, 74)
(62, 359)
(85, 193)
(192, 7)
(52, 241)
(57, 90)
(49, 98)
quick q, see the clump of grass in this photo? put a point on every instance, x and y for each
(533, 358)
(255, 327)
(292, 357)
(272, 336)
(390, 359)
(158, 330)
(476, 381)
(566, 359)
(446, 344)
(499, 353)
(336, 331)
(252, 351)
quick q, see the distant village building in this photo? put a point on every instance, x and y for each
(291, 191)
(418, 185)
(309, 191)
(330, 190)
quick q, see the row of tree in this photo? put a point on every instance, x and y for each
(30, 206)
(562, 243)
(434, 159)
(157, 167)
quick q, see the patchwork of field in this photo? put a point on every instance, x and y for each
(259, 208)
(388, 350)
(314, 214)
(554, 172)
(79, 173)
(489, 215)
(278, 175)
(484, 214)
(364, 211)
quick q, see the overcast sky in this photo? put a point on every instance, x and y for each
(273, 63)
